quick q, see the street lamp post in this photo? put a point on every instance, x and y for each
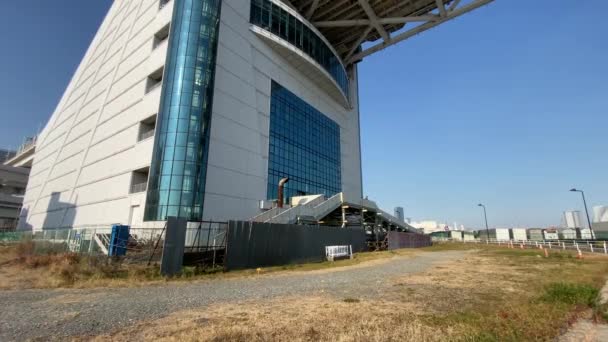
(485, 216)
(586, 211)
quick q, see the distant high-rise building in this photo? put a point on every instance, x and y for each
(572, 219)
(399, 213)
(600, 213)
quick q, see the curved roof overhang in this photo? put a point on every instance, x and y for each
(348, 24)
(303, 63)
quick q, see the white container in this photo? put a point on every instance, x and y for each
(519, 234)
(456, 235)
(586, 234)
(535, 234)
(502, 234)
(568, 234)
(551, 235)
(468, 236)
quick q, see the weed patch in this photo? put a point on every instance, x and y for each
(573, 294)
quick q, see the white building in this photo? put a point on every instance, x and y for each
(429, 226)
(197, 108)
(600, 213)
(13, 182)
(572, 219)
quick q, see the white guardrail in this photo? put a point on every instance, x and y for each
(582, 246)
(333, 252)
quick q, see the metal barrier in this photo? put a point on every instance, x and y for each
(583, 246)
(143, 244)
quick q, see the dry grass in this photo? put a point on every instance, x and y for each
(24, 266)
(28, 265)
(291, 319)
(491, 295)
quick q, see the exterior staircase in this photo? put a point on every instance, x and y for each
(103, 242)
(317, 208)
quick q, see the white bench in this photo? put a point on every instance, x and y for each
(333, 252)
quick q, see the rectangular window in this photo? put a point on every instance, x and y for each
(283, 25)
(154, 80)
(161, 36)
(147, 128)
(276, 19)
(266, 10)
(304, 146)
(292, 30)
(139, 180)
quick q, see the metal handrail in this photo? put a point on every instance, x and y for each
(587, 246)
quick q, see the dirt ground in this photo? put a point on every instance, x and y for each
(483, 296)
(443, 293)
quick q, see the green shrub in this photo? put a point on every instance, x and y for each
(568, 293)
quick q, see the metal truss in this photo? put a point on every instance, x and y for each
(386, 27)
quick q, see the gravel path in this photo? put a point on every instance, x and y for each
(57, 314)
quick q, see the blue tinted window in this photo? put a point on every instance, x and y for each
(179, 161)
(272, 17)
(304, 146)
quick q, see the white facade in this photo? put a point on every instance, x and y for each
(572, 219)
(600, 213)
(86, 156)
(586, 234)
(428, 226)
(568, 234)
(550, 234)
(501, 234)
(519, 234)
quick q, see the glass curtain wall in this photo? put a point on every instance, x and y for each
(304, 146)
(278, 21)
(179, 163)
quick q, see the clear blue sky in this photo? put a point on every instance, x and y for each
(506, 105)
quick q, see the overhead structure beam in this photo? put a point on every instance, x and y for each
(453, 5)
(312, 9)
(358, 43)
(374, 20)
(367, 22)
(453, 13)
(442, 11)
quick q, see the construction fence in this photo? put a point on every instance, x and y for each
(204, 240)
(397, 240)
(233, 245)
(256, 244)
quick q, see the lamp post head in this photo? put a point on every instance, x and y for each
(480, 205)
(574, 190)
